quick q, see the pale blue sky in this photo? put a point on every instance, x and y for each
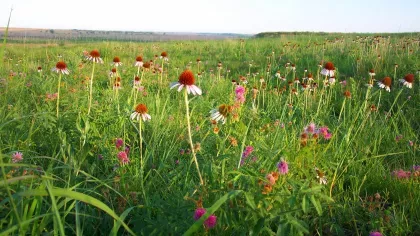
(235, 16)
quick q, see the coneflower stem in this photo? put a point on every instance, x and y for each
(395, 101)
(141, 149)
(190, 137)
(342, 108)
(161, 73)
(90, 89)
(58, 92)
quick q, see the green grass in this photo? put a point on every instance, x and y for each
(62, 186)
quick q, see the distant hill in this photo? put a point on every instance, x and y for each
(91, 35)
(279, 34)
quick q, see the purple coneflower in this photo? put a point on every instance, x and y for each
(61, 67)
(186, 79)
(408, 80)
(140, 112)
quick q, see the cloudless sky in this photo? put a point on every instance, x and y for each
(223, 16)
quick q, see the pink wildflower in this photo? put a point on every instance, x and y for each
(122, 156)
(210, 222)
(118, 143)
(248, 151)
(376, 233)
(310, 128)
(401, 174)
(270, 179)
(17, 157)
(283, 167)
(199, 212)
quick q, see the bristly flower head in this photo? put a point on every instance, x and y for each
(186, 79)
(283, 167)
(328, 69)
(116, 62)
(221, 113)
(122, 156)
(139, 61)
(17, 157)
(210, 222)
(140, 112)
(376, 233)
(372, 72)
(347, 94)
(386, 84)
(408, 80)
(61, 67)
(164, 55)
(95, 57)
(199, 212)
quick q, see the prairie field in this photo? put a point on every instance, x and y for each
(295, 134)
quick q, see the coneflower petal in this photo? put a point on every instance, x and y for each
(197, 89)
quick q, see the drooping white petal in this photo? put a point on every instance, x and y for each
(197, 90)
(174, 84)
(180, 87)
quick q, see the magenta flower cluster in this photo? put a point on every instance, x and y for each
(323, 131)
(210, 222)
(248, 150)
(240, 94)
(283, 167)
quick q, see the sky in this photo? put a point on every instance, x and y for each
(216, 16)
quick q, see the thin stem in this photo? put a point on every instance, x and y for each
(90, 89)
(58, 92)
(342, 108)
(141, 147)
(190, 137)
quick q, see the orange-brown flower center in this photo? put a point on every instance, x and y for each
(186, 78)
(347, 94)
(146, 65)
(95, 53)
(225, 110)
(141, 108)
(61, 65)
(139, 58)
(329, 66)
(137, 78)
(164, 54)
(114, 70)
(116, 60)
(387, 81)
(409, 78)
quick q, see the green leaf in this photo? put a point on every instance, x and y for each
(317, 205)
(117, 224)
(250, 200)
(297, 224)
(60, 192)
(258, 227)
(198, 224)
(16, 179)
(305, 205)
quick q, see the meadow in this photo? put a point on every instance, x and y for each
(291, 135)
